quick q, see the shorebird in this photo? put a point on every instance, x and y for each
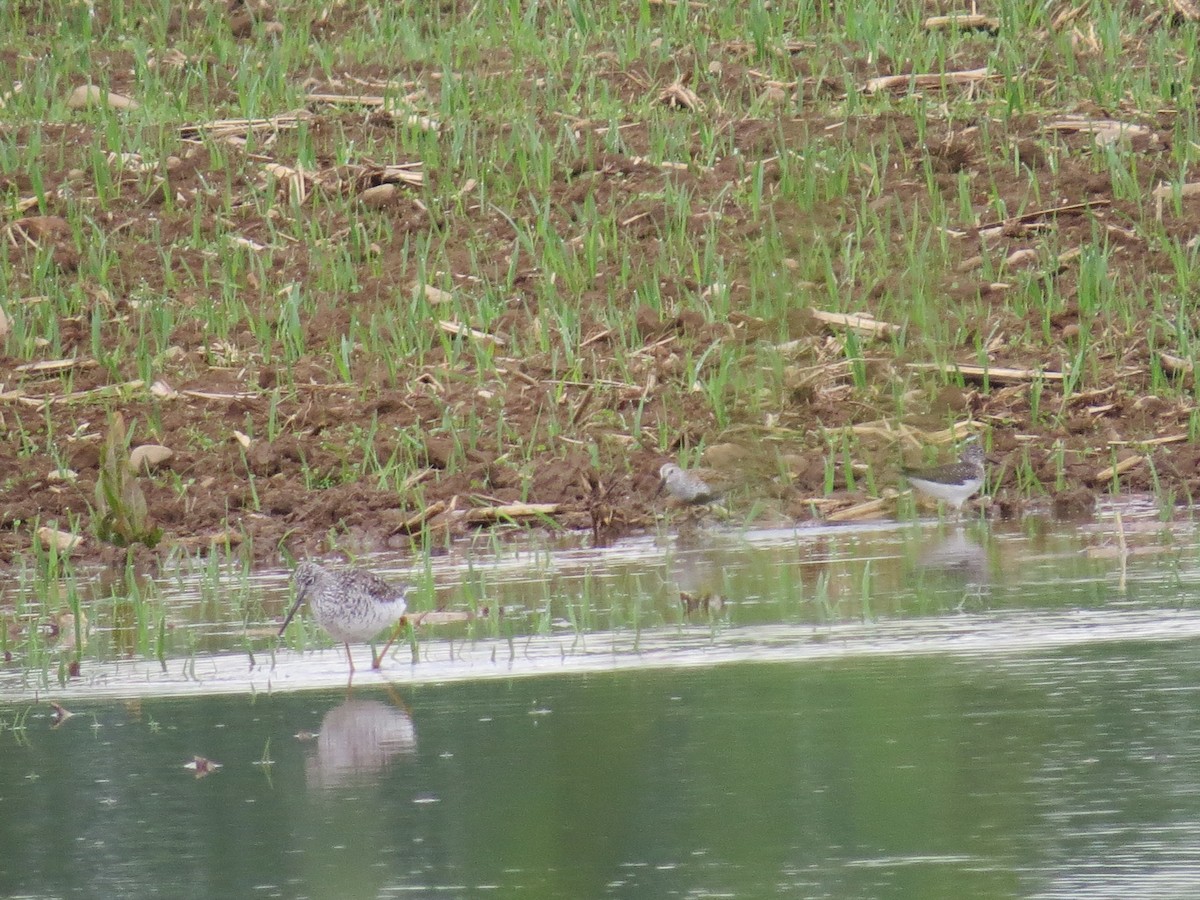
(953, 483)
(687, 487)
(352, 605)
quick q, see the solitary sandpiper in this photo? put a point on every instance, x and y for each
(352, 605)
(953, 483)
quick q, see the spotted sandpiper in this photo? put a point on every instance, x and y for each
(953, 483)
(687, 487)
(352, 605)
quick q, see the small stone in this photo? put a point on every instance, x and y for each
(433, 296)
(379, 196)
(773, 95)
(90, 95)
(727, 456)
(149, 456)
(62, 541)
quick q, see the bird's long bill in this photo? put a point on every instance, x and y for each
(291, 612)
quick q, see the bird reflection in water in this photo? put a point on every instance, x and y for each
(358, 740)
(697, 572)
(958, 557)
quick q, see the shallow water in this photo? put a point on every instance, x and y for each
(869, 712)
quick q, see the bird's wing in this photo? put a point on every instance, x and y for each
(377, 587)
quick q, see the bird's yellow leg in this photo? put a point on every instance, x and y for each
(400, 626)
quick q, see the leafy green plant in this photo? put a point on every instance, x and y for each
(121, 516)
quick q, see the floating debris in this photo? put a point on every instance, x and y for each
(60, 714)
(202, 766)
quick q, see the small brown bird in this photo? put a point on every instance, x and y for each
(687, 487)
(955, 482)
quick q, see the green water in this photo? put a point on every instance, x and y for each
(1046, 775)
(919, 713)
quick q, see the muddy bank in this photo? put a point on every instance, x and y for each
(298, 427)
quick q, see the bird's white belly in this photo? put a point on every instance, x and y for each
(949, 492)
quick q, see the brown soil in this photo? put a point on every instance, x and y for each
(292, 494)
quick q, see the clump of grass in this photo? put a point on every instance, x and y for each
(121, 516)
